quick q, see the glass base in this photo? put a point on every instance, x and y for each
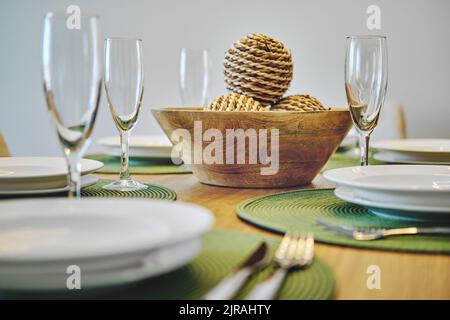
(125, 185)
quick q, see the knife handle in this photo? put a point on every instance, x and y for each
(268, 289)
(436, 230)
(229, 286)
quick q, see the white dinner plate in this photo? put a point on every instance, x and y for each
(392, 157)
(412, 184)
(31, 173)
(393, 177)
(397, 184)
(394, 210)
(142, 146)
(153, 263)
(37, 231)
(417, 149)
(86, 181)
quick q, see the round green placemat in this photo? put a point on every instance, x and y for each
(139, 165)
(152, 192)
(222, 252)
(300, 209)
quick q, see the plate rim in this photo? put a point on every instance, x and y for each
(384, 205)
(362, 185)
(124, 276)
(376, 145)
(379, 156)
(203, 226)
(92, 176)
(94, 165)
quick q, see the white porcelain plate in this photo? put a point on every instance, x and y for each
(140, 146)
(393, 177)
(395, 157)
(61, 230)
(24, 169)
(154, 263)
(86, 181)
(401, 184)
(394, 210)
(38, 173)
(434, 150)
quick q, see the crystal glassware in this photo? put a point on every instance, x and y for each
(366, 73)
(124, 86)
(194, 77)
(72, 74)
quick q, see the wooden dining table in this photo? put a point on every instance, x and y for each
(403, 275)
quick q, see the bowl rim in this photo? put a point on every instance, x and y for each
(201, 110)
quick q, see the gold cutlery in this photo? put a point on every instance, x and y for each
(296, 251)
(367, 234)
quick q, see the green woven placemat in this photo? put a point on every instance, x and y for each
(300, 209)
(222, 252)
(152, 192)
(139, 165)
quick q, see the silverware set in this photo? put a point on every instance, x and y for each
(296, 251)
(367, 234)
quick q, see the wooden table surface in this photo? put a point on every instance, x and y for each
(403, 275)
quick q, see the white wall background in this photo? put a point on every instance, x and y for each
(417, 31)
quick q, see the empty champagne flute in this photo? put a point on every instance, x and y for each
(72, 74)
(366, 73)
(124, 86)
(194, 77)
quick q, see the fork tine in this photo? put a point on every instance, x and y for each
(293, 245)
(309, 252)
(301, 247)
(284, 245)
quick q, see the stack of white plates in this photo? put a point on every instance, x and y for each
(36, 175)
(141, 146)
(407, 192)
(414, 151)
(46, 244)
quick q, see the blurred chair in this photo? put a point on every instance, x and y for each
(392, 123)
(4, 152)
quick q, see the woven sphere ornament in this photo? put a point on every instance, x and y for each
(259, 67)
(299, 102)
(235, 102)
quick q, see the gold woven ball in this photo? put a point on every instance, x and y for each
(235, 102)
(299, 102)
(259, 67)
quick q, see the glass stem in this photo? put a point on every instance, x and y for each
(74, 176)
(124, 171)
(364, 145)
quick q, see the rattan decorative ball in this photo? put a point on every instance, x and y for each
(235, 102)
(259, 67)
(299, 102)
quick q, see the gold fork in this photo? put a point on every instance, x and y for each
(296, 251)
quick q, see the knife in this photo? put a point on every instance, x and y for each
(230, 285)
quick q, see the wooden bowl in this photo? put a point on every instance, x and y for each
(306, 141)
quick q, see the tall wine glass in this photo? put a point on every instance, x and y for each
(72, 73)
(366, 73)
(194, 77)
(124, 85)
